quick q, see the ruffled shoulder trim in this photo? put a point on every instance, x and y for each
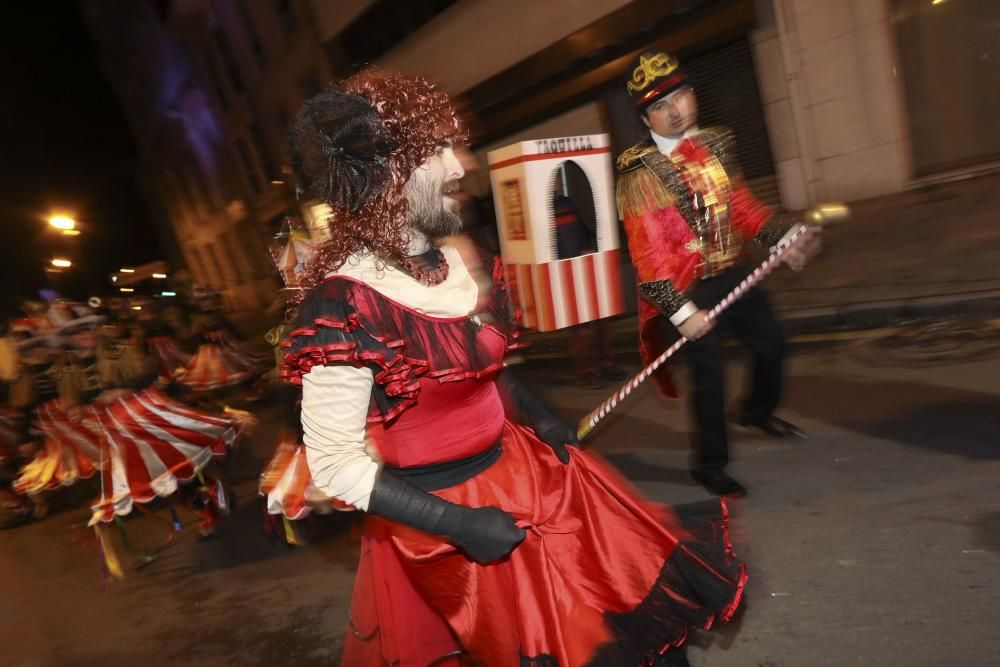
(330, 329)
(345, 321)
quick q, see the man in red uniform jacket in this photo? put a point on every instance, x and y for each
(687, 216)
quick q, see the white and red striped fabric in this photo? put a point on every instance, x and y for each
(169, 358)
(150, 444)
(218, 363)
(288, 486)
(70, 451)
(555, 295)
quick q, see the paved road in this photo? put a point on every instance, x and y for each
(876, 541)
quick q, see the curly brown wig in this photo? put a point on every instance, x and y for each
(354, 147)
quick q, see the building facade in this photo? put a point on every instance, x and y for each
(208, 87)
(829, 100)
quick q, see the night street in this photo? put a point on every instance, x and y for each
(874, 541)
(389, 256)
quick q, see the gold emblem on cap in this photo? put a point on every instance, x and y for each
(650, 69)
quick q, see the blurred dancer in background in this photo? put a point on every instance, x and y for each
(221, 361)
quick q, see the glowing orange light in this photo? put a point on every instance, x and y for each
(62, 222)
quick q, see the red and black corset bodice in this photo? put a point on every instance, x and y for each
(428, 370)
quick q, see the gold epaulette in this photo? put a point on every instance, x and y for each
(632, 158)
(640, 189)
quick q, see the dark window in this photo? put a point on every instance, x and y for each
(198, 267)
(272, 169)
(383, 25)
(286, 15)
(216, 278)
(249, 167)
(259, 260)
(310, 84)
(253, 37)
(216, 75)
(237, 183)
(283, 120)
(183, 187)
(226, 53)
(237, 256)
(171, 190)
(199, 196)
(162, 8)
(224, 269)
(199, 179)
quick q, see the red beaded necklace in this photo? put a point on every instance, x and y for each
(421, 272)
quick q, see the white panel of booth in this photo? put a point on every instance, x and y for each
(553, 293)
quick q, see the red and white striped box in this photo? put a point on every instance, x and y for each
(554, 293)
(559, 294)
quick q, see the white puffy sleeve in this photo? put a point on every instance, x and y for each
(335, 403)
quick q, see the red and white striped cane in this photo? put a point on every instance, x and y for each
(817, 218)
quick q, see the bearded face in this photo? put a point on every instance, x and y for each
(430, 209)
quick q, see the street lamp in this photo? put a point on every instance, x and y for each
(63, 222)
(160, 276)
(62, 263)
(124, 270)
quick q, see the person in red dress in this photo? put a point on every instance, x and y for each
(491, 538)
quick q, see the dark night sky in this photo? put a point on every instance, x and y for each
(64, 146)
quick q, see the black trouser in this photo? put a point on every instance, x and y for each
(752, 321)
(592, 347)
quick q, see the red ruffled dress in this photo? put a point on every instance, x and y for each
(70, 450)
(220, 361)
(169, 358)
(603, 576)
(149, 444)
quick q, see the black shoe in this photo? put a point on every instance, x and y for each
(613, 374)
(673, 657)
(774, 427)
(719, 483)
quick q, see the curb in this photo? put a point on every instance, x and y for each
(891, 311)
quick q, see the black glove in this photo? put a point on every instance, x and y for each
(521, 401)
(486, 534)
